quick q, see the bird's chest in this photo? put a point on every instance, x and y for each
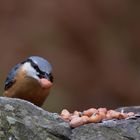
(29, 89)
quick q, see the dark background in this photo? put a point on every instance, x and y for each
(93, 45)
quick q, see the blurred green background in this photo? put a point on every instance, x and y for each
(94, 47)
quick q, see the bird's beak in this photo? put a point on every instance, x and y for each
(46, 76)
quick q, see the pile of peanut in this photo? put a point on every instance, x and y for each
(92, 115)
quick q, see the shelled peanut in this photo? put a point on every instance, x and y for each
(92, 115)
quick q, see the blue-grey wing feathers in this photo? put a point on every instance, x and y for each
(11, 76)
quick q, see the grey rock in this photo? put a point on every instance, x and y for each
(113, 130)
(21, 120)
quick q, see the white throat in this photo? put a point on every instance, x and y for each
(30, 71)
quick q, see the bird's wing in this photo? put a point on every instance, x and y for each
(11, 76)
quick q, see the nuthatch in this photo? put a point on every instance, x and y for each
(30, 80)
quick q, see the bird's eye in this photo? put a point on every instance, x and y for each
(40, 74)
(35, 67)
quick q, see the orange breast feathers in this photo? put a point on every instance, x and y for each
(29, 88)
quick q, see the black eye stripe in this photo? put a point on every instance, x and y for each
(35, 67)
(41, 74)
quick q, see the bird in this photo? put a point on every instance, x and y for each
(30, 80)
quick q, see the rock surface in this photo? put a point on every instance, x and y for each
(21, 120)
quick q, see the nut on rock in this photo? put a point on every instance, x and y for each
(93, 115)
